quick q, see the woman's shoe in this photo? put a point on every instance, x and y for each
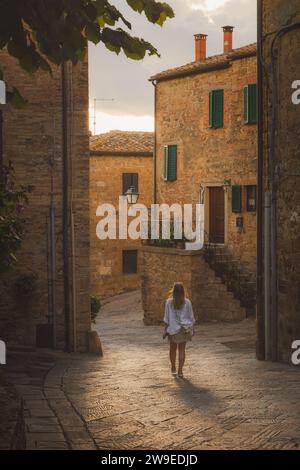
(180, 375)
(173, 371)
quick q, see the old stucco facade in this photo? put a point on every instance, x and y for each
(113, 155)
(279, 228)
(214, 159)
(32, 141)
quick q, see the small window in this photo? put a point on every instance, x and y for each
(130, 179)
(216, 108)
(251, 198)
(237, 199)
(130, 261)
(170, 166)
(250, 104)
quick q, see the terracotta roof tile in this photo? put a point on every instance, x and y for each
(211, 63)
(122, 142)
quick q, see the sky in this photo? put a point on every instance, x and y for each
(125, 97)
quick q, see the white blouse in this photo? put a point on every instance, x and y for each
(175, 319)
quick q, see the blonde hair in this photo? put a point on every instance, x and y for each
(178, 294)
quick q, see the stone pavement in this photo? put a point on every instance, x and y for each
(129, 400)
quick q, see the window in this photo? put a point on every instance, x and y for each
(251, 198)
(216, 108)
(237, 199)
(250, 104)
(130, 261)
(170, 167)
(130, 179)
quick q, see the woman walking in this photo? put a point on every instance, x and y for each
(179, 320)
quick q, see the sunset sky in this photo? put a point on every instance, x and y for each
(126, 82)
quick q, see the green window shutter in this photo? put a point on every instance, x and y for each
(253, 103)
(237, 198)
(211, 117)
(170, 163)
(216, 108)
(246, 104)
(166, 163)
(250, 104)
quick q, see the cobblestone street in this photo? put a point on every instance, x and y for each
(129, 400)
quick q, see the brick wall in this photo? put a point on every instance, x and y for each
(277, 14)
(210, 156)
(107, 276)
(32, 141)
(162, 267)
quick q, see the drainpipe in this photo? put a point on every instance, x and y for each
(1, 142)
(154, 150)
(53, 271)
(65, 205)
(267, 281)
(260, 348)
(74, 293)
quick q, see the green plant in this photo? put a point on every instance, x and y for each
(25, 285)
(41, 33)
(95, 307)
(12, 225)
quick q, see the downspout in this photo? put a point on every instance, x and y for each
(154, 150)
(65, 206)
(260, 346)
(1, 142)
(267, 275)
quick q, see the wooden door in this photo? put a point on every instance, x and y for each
(216, 215)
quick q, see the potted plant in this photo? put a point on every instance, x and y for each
(95, 307)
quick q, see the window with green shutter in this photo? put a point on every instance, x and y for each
(250, 104)
(216, 108)
(237, 198)
(170, 163)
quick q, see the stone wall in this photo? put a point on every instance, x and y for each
(164, 266)
(107, 276)
(33, 142)
(276, 14)
(210, 156)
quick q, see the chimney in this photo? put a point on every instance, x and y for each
(200, 47)
(228, 30)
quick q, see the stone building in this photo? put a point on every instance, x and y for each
(48, 144)
(279, 171)
(206, 147)
(118, 160)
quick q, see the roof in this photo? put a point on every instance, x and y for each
(215, 62)
(122, 143)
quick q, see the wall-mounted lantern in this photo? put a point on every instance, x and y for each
(132, 195)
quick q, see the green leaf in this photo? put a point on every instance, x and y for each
(92, 32)
(29, 63)
(156, 12)
(16, 100)
(136, 5)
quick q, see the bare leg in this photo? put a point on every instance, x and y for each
(173, 349)
(181, 348)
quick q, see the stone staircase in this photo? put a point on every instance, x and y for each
(238, 282)
(213, 302)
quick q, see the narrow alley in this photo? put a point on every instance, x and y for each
(129, 400)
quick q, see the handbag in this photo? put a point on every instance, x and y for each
(185, 333)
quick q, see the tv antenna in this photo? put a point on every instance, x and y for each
(95, 110)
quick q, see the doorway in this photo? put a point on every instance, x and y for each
(216, 215)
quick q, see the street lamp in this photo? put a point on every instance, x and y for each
(132, 195)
